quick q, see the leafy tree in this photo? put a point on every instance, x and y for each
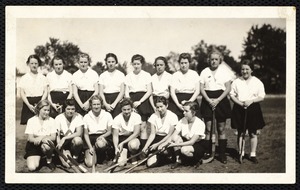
(265, 46)
(67, 50)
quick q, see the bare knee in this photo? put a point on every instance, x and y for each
(100, 144)
(33, 163)
(88, 159)
(134, 145)
(186, 150)
(77, 141)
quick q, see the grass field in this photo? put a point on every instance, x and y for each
(271, 148)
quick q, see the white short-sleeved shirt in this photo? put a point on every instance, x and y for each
(139, 82)
(162, 129)
(217, 81)
(198, 128)
(112, 81)
(185, 83)
(161, 85)
(120, 124)
(34, 126)
(97, 125)
(65, 127)
(59, 82)
(247, 89)
(85, 81)
(33, 84)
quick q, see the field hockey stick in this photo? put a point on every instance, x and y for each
(94, 162)
(81, 168)
(213, 140)
(116, 161)
(243, 137)
(117, 164)
(51, 144)
(147, 158)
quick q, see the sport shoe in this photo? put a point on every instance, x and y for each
(175, 165)
(134, 161)
(51, 166)
(253, 159)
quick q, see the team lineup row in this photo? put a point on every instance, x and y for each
(159, 100)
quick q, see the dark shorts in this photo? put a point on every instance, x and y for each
(110, 98)
(145, 109)
(197, 154)
(32, 150)
(222, 111)
(84, 95)
(173, 107)
(254, 118)
(57, 98)
(26, 113)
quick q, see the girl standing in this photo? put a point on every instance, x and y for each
(69, 125)
(40, 129)
(60, 87)
(97, 132)
(184, 86)
(161, 80)
(112, 85)
(215, 85)
(85, 84)
(33, 88)
(188, 136)
(246, 93)
(138, 88)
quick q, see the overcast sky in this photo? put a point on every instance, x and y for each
(126, 37)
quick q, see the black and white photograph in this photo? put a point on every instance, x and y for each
(150, 94)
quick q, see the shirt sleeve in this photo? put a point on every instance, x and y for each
(201, 77)
(109, 119)
(152, 119)
(85, 123)
(29, 127)
(233, 91)
(148, 78)
(53, 126)
(57, 123)
(101, 79)
(261, 89)
(179, 126)
(116, 123)
(174, 119)
(199, 128)
(174, 80)
(22, 82)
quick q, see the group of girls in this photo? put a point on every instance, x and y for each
(109, 115)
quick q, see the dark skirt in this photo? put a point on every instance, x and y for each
(84, 95)
(26, 113)
(145, 109)
(173, 107)
(110, 98)
(32, 150)
(222, 111)
(254, 120)
(198, 153)
(57, 98)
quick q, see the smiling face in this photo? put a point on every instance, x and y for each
(137, 66)
(83, 64)
(246, 71)
(111, 64)
(160, 66)
(69, 111)
(126, 111)
(214, 61)
(184, 65)
(44, 112)
(96, 106)
(161, 108)
(33, 65)
(58, 66)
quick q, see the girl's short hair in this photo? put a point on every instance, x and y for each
(138, 57)
(216, 52)
(185, 56)
(85, 55)
(125, 102)
(40, 105)
(193, 106)
(57, 57)
(34, 57)
(162, 99)
(111, 55)
(249, 63)
(69, 102)
(165, 62)
(95, 97)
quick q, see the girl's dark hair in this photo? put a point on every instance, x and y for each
(165, 62)
(57, 57)
(69, 102)
(193, 106)
(162, 99)
(34, 57)
(138, 57)
(40, 105)
(125, 102)
(185, 56)
(95, 97)
(249, 63)
(111, 55)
